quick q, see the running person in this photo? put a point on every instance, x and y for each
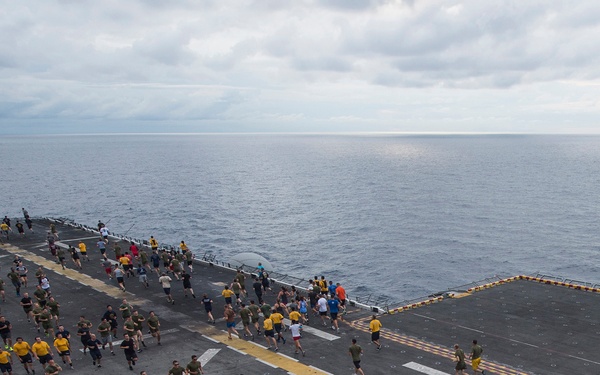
(194, 367)
(207, 302)
(107, 265)
(93, 345)
(459, 358)
(189, 259)
(322, 306)
(155, 259)
(5, 328)
(277, 320)
(245, 314)
(166, 284)
(269, 332)
(355, 352)
(6, 361)
(143, 275)
(63, 348)
(475, 357)
(41, 351)
(104, 329)
(119, 275)
(29, 224)
(16, 280)
(27, 305)
(154, 326)
(375, 328)
(255, 310)
(83, 331)
(227, 294)
(52, 368)
(22, 271)
(23, 351)
(138, 320)
(75, 257)
(187, 284)
(153, 243)
(20, 228)
(83, 250)
(102, 246)
(128, 346)
(229, 315)
(296, 330)
(333, 304)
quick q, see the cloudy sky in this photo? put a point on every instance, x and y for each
(83, 66)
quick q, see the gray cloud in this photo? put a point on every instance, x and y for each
(298, 63)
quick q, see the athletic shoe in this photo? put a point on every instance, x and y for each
(131, 368)
(303, 353)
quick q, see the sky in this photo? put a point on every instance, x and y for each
(83, 66)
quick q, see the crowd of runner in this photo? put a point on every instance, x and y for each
(322, 302)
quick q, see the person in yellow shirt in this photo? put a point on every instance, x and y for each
(269, 332)
(375, 327)
(227, 293)
(83, 250)
(294, 316)
(184, 248)
(277, 319)
(63, 348)
(23, 350)
(6, 362)
(153, 243)
(41, 351)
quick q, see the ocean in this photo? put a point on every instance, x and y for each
(400, 216)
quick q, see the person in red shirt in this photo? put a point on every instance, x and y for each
(340, 292)
(134, 250)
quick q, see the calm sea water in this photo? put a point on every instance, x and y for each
(402, 216)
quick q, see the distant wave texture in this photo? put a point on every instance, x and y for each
(386, 215)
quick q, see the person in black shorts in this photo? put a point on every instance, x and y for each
(5, 328)
(93, 345)
(128, 346)
(207, 302)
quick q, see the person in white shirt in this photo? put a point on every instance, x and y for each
(104, 232)
(296, 330)
(322, 305)
(166, 284)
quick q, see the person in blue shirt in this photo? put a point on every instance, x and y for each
(331, 288)
(143, 275)
(334, 308)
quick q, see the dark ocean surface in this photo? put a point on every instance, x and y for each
(395, 215)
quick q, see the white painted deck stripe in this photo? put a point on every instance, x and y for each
(313, 331)
(423, 369)
(237, 350)
(266, 363)
(207, 356)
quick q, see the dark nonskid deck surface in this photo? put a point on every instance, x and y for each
(525, 327)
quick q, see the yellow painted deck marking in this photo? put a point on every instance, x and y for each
(442, 351)
(267, 356)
